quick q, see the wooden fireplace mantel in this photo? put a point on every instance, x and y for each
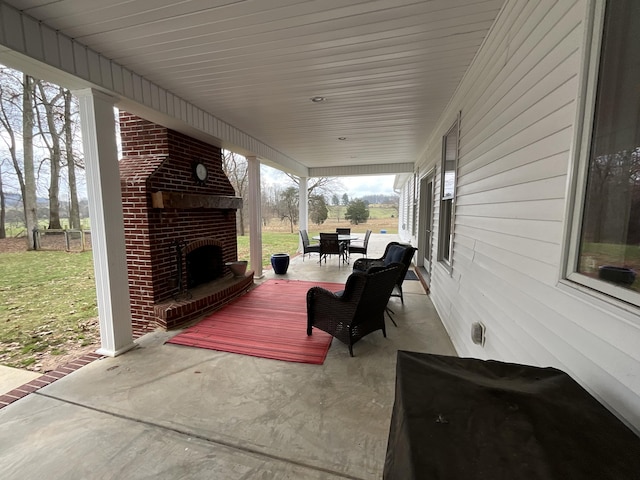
(194, 200)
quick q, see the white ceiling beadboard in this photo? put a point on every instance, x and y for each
(387, 68)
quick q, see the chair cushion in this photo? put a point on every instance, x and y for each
(394, 255)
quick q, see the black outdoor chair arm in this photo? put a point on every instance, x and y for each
(323, 298)
(331, 307)
(324, 301)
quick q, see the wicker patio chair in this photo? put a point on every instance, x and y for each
(394, 252)
(306, 246)
(356, 311)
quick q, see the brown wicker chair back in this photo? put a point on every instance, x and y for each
(394, 252)
(358, 310)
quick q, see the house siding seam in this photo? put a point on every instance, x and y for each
(518, 103)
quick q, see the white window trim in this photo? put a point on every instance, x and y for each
(448, 263)
(594, 29)
(414, 214)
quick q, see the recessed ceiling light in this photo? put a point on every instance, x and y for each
(318, 99)
(342, 138)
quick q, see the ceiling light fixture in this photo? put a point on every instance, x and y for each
(318, 99)
(342, 138)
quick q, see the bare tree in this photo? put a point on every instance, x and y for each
(235, 168)
(270, 200)
(3, 207)
(74, 208)
(325, 186)
(51, 135)
(335, 201)
(16, 115)
(28, 187)
(288, 206)
(52, 110)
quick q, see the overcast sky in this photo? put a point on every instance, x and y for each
(354, 187)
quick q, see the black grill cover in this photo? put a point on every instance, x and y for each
(468, 419)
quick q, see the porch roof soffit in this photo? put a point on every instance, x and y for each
(353, 170)
(38, 50)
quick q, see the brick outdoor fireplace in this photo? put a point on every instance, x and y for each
(180, 229)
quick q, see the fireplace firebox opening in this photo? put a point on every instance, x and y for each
(204, 264)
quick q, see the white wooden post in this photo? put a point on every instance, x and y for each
(97, 120)
(255, 217)
(303, 208)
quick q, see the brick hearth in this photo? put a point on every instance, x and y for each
(159, 161)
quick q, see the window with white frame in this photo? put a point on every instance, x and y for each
(414, 217)
(448, 192)
(605, 242)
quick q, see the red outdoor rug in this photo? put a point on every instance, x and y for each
(270, 321)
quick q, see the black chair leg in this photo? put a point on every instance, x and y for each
(388, 311)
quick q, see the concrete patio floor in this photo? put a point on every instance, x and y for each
(165, 411)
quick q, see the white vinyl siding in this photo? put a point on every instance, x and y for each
(519, 114)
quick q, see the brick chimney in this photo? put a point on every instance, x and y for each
(168, 212)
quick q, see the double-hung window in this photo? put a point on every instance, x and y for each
(448, 192)
(604, 253)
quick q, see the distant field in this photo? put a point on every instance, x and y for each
(380, 218)
(277, 236)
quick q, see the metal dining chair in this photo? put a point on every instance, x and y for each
(330, 245)
(345, 243)
(308, 247)
(361, 249)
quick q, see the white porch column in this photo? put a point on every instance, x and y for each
(303, 208)
(107, 227)
(255, 217)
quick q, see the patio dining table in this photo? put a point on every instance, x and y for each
(342, 239)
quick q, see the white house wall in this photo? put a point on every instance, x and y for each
(519, 105)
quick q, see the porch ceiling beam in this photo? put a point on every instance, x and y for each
(36, 49)
(353, 170)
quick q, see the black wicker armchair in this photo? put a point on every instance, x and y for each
(358, 310)
(395, 252)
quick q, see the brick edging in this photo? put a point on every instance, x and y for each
(47, 379)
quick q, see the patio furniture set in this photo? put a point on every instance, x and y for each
(335, 243)
(359, 309)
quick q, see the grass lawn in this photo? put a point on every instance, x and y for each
(272, 242)
(47, 305)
